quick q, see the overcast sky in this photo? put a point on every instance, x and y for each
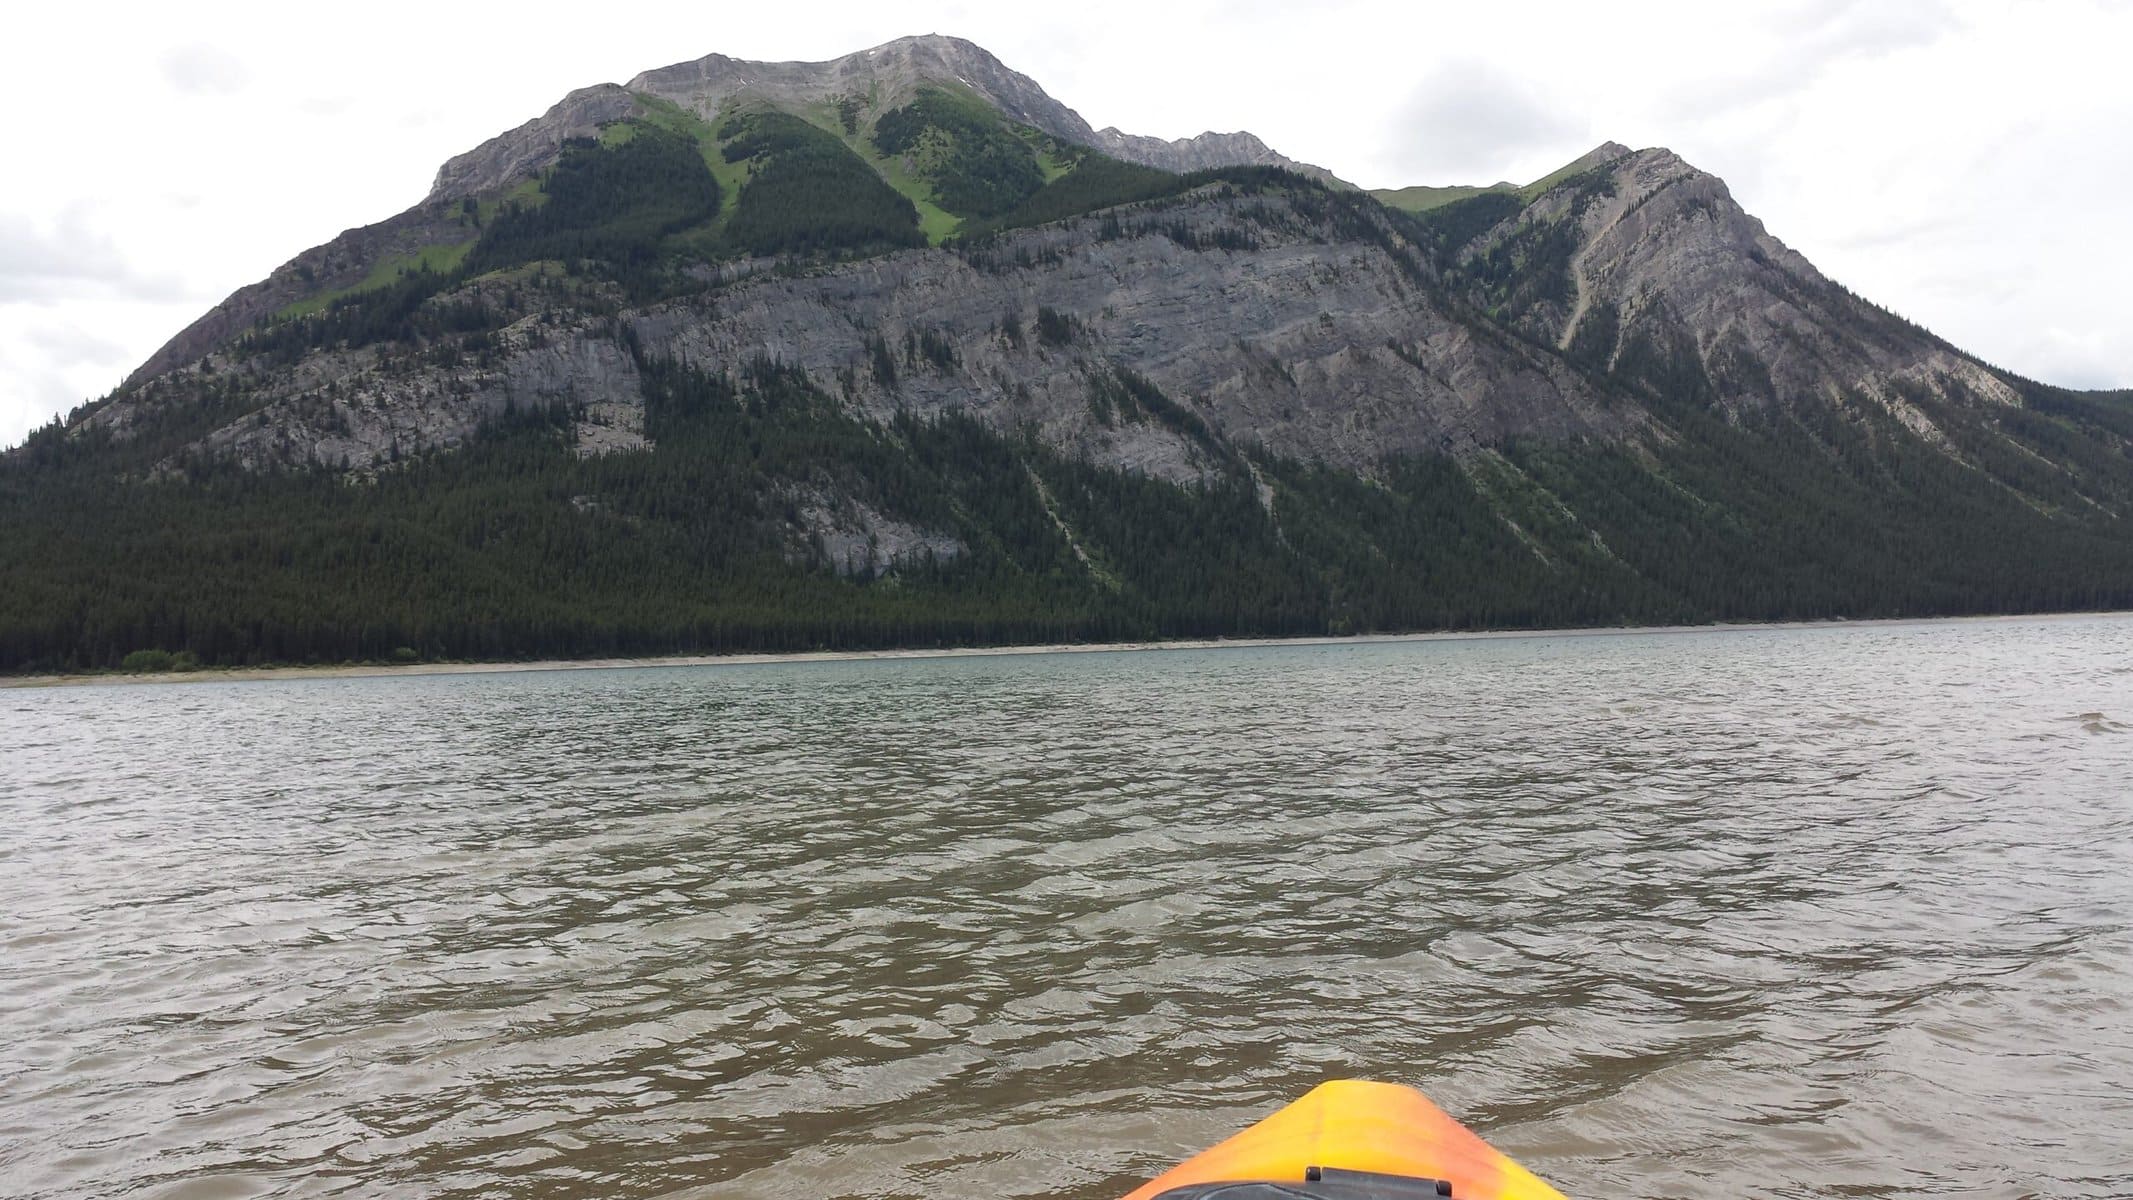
(1966, 163)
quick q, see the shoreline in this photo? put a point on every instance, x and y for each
(383, 670)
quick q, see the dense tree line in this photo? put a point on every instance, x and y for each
(399, 311)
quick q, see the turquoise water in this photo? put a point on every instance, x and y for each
(1790, 912)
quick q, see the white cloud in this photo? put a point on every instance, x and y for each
(69, 258)
(73, 346)
(51, 361)
(1786, 48)
(2077, 358)
(1469, 116)
(46, 261)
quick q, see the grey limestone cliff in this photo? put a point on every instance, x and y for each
(1309, 343)
(1667, 276)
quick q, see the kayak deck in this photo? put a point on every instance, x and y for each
(1352, 1125)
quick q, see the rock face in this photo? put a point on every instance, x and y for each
(1310, 344)
(1314, 326)
(1203, 152)
(365, 409)
(522, 152)
(1322, 350)
(885, 76)
(851, 537)
(1665, 279)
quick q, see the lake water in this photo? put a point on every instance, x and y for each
(1790, 912)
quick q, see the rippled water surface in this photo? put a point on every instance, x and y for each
(1828, 912)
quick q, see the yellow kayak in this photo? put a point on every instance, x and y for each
(1351, 1140)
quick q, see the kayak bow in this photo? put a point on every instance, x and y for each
(1352, 1140)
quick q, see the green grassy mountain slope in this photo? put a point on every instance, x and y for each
(1421, 198)
(1424, 198)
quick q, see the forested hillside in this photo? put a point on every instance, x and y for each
(517, 547)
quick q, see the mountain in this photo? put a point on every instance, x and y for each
(895, 349)
(854, 90)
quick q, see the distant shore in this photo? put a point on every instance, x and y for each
(377, 670)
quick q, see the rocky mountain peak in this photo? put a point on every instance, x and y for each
(1600, 155)
(1672, 280)
(888, 75)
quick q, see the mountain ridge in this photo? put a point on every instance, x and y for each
(892, 72)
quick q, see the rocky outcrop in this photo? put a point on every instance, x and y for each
(527, 150)
(365, 409)
(1203, 152)
(884, 77)
(851, 537)
(1601, 155)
